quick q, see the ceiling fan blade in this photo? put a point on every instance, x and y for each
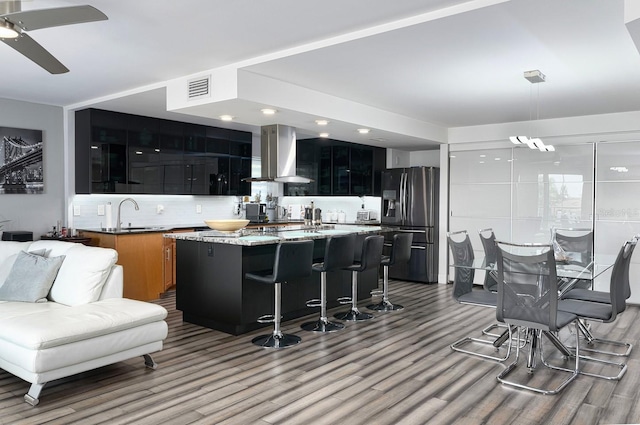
(46, 18)
(34, 51)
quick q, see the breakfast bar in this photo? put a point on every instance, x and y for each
(211, 288)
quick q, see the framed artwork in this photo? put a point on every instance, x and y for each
(21, 161)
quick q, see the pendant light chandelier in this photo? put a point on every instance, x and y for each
(534, 77)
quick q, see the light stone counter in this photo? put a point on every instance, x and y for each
(251, 237)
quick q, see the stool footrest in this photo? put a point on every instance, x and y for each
(377, 292)
(314, 303)
(267, 318)
(344, 300)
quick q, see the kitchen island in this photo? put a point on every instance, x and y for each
(211, 289)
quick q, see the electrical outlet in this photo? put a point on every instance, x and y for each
(76, 210)
(100, 209)
(198, 209)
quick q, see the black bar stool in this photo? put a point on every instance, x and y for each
(293, 261)
(400, 253)
(371, 257)
(338, 254)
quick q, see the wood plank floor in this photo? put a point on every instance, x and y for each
(395, 369)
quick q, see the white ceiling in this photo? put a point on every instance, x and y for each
(441, 63)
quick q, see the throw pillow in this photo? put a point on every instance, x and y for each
(30, 278)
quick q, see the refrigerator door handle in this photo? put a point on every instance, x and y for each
(401, 198)
(405, 198)
(411, 231)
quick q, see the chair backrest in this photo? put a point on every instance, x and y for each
(371, 252)
(488, 239)
(293, 260)
(625, 275)
(401, 249)
(462, 255)
(339, 252)
(575, 244)
(620, 278)
(527, 286)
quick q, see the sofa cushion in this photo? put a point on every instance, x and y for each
(8, 253)
(83, 272)
(22, 324)
(30, 278)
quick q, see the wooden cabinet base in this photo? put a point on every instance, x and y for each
(141, 256)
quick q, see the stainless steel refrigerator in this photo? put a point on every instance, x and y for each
(410, 202)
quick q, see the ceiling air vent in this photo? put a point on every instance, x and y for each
(199, 88)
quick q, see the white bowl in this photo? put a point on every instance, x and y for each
(227, 225)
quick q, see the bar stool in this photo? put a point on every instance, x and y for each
(338, 254)
(400, 253)
(371, 257)
(293, 260)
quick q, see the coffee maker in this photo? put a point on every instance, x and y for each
(256, 213)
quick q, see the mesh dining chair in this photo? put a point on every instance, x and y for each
(604, 296)
(488, 239)
(573, 246)
(463, 293)
(605, 313)
(528, 300)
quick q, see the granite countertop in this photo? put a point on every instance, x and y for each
(170, 227)
(252, 237)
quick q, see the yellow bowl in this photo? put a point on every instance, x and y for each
(227, 225)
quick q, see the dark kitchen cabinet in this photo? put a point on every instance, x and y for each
(338, 168)
(123, 153)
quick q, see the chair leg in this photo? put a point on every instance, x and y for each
(591, 339)
(354, 315)
(457, 346)
(537, 346)
(621, 367)
(277, 339)
(323, 324)
(385, 304)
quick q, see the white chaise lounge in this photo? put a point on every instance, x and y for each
(80, 323)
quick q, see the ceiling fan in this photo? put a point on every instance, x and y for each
(14, 23)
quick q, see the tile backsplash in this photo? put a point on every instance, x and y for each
(91, 211)
(155, 210)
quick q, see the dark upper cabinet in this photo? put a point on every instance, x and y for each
(122, 153)
(337, 168)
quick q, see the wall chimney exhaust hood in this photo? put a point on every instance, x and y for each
(278, 155)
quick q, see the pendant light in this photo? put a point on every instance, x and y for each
(534, 77)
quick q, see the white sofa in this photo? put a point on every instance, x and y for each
(84, 323)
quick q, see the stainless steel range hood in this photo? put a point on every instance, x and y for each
(278, 155)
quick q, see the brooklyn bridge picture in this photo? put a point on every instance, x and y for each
(21, 161)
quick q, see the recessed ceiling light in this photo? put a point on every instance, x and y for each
(322, 122)
(157, 150)
(324, 134)
(268, 111)
(226, 117)
(94, 147)
(483, 156)
(363, 130)
(138, 152)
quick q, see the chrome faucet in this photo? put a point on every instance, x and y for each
(118, 224)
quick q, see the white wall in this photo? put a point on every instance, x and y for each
(36, 213)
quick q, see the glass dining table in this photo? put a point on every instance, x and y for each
(568, 274)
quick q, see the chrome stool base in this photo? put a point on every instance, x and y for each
(353, 315)
(385, 306)
(322, 326)
(276, 341)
